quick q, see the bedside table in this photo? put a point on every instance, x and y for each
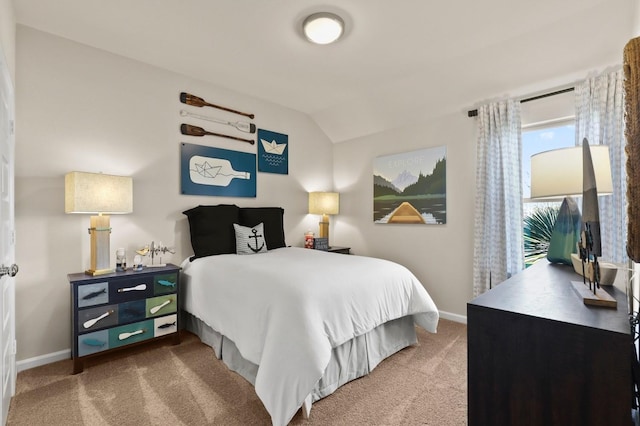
(341, 250)
(112, 311)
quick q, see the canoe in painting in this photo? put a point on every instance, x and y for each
(406, 213)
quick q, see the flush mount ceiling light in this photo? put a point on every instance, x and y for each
(323, 27)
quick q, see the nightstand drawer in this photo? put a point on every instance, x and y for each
(125, 290)
(92, 343)
(132, 311)
(93, 294)
(165, 283)
(130, 333)
(96, 318)
(161, 305)
(165, 325)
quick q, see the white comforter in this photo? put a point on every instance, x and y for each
(286, 309)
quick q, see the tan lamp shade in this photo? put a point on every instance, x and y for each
(97, 193)
(92, 193)
(558, 173)
(324, 203)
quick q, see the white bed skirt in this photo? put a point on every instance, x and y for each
(354, 358)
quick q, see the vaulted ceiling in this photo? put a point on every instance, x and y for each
(399, 61)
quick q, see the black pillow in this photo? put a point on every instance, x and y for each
(211, 229)
(271, 217)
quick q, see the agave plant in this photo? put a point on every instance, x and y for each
(537, 230)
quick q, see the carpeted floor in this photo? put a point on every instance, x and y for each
(160, 384)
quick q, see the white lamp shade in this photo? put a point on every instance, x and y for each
(92, 193)
(558, 173)
(324, 203)
(323, 27)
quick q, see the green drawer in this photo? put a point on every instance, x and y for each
(161, 305)
(165, 283)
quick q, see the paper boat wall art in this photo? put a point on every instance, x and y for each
(273, 155)
(273, 147)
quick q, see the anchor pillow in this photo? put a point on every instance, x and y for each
(250, 240)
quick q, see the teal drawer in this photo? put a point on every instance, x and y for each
(130, 333)
(91, 343)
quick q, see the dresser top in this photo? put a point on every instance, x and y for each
(544, 290)
(81, 276)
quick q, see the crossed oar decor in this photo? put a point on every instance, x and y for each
(190, 130)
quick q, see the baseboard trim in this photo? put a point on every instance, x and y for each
(453, 317)
(37, 361)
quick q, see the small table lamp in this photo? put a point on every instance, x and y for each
(558, 173)
(91, 193)
(324, 203)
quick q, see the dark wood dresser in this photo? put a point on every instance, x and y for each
(537, 355)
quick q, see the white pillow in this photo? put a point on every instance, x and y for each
(250, 240)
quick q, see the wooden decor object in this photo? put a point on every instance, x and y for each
(597, 298)
(189, 99)
(631, 64)
(188, 129)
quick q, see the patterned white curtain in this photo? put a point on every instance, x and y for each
(600, 119)
(498, 243)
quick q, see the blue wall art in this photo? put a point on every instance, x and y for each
(205, 170)
(273, 152)
(411, 187)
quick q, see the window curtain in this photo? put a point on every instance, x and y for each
(600, 119)
(498, 243)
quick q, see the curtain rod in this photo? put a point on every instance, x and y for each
(474, 112)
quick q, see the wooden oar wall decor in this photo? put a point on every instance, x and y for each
(189, 99)
(188, 129)
(191, 130)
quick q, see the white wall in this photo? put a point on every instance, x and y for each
(79, 108)
(441, 256)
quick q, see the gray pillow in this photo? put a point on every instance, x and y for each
(250, 240)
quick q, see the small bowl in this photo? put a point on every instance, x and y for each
(608, 270)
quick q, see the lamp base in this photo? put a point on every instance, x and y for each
(96, 272)
(324, 226)
(100, 232)
(566, 233)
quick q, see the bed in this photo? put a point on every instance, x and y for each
(297, 323)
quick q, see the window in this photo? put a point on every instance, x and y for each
(547, 123)
(540, 217)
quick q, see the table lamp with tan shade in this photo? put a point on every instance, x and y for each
(324, 203)
(101, 195)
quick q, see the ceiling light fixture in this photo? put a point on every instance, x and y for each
(323, 27)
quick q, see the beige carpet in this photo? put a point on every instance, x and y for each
(161, 384)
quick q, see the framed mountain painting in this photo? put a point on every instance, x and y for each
(411, 187)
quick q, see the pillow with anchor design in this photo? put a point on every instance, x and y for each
(250, 240)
